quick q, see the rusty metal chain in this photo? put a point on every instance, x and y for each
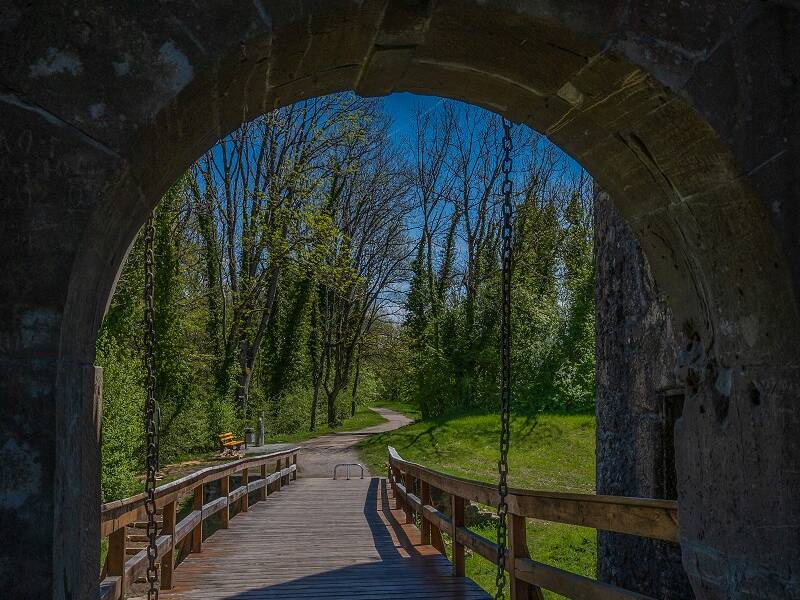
(505, 360)
(150, 405)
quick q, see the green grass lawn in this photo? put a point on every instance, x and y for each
(548, 452)
(363, 418)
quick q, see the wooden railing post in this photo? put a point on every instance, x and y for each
(518, 548)
(262, 494)
(392, 480)
(245, 496)
(277, 470)
(425, 497)
(258, 495)
(168, 560)
(408, 481)
(398, 503)
(188, 532)
(225, 490)
(430, 534)
(115, 561)
(294, 462)
(197, 532)
(457, 510)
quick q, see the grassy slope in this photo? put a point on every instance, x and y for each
(364, 418)
(548, 452)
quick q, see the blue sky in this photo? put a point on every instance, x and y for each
(401, 107)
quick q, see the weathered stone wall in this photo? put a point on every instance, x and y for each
(686, 112)
(637, 403)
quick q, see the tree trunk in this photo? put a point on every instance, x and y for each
(637, 405)
(243, 390)
(355, 386)
(332, 407)
(249, 349)
(314, 403)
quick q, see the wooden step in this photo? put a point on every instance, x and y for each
(132, 548)
(143, 524)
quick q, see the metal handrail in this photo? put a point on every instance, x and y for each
(348, 465)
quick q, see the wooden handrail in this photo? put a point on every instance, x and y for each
(116, 515)
(644, 517)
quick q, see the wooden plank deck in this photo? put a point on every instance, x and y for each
(319, 538)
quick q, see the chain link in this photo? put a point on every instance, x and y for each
(150, 406)
(505, 360)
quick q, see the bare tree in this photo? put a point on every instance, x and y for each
(432, 185)
(253, 195)
(366, 199)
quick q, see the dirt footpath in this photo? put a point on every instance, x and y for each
(320, 455)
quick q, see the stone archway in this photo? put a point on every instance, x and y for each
(687, 115)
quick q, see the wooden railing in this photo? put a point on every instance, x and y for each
(120, 570)
(637, 516)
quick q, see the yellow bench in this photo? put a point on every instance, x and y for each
(227, 441)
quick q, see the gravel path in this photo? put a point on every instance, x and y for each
(320, 455)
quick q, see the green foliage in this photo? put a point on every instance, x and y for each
(123, 407)
(184, 426)
(417, 302)
(574, 378)
(453, 303)
(394, 370)
(284, 364)
(552, 325)
(185, 385)
(119, 354)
